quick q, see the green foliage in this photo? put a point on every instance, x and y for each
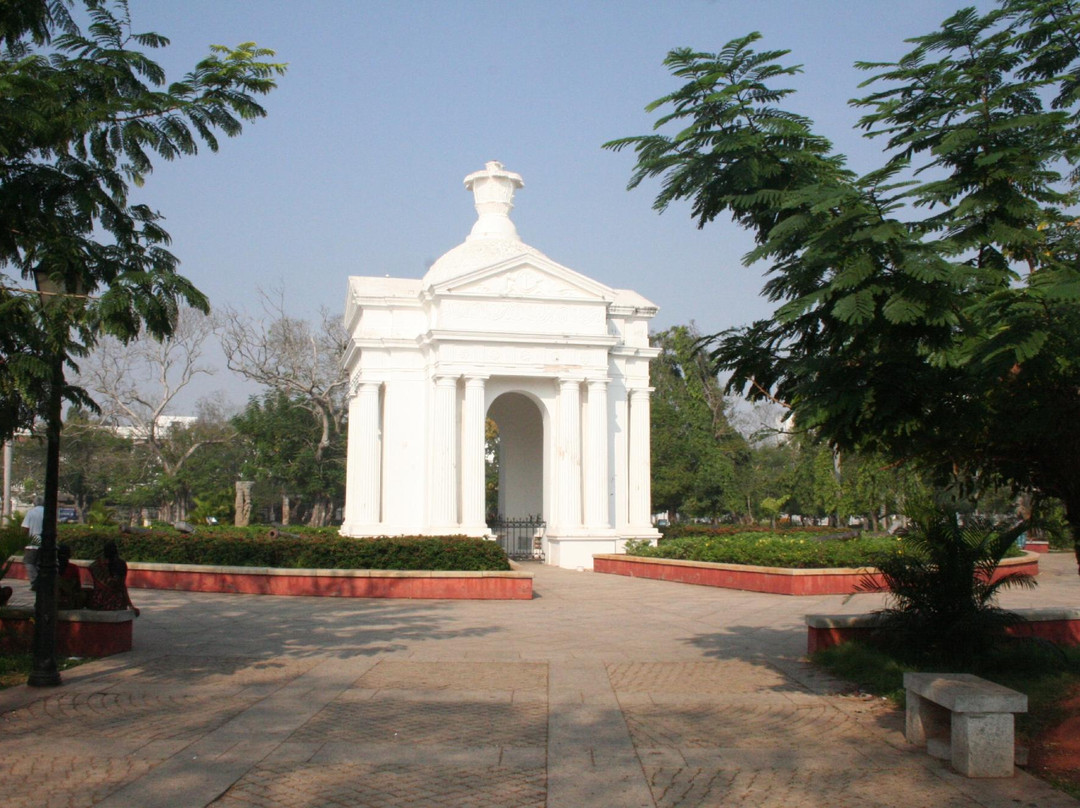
(1045, 673)
(695, 449)
(215, 504)
(928, 311)
(12, 542)
(308, 549)
(84, 114)
(282, 452)
(680, 531)
(98, 515)
(767, 549)
(942, 593)
(866, 666)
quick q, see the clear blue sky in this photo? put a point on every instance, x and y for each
(386, 106)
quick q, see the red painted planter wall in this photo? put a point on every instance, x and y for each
(422, 586)
(777, 581)
(83, 638)
(1062, 632)
(335, 584)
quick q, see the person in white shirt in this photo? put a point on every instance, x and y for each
(32, 524)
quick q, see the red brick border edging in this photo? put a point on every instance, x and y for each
(774, 580)
(425, 585)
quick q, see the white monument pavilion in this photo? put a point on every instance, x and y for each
(496, 329)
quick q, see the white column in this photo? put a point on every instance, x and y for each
(364, 471)
(568, 484)
(473, 465)
(444, 473)
(640, 468)
(596, 458)
(620, 405)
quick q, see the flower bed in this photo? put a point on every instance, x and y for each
(754, 578)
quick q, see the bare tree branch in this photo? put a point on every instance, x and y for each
(291, 356)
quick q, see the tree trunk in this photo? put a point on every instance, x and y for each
(320, 510)
(243, 503)
(286, 509)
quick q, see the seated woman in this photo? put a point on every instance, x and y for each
(109, 573)
(69, 593)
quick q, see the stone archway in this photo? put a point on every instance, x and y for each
(521, 455)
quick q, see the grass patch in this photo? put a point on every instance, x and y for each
(869, 668)
(15, 668)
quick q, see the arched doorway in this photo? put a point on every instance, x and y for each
(519, 457)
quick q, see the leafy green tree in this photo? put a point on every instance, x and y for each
(929, 310)
(83, 114)
(96, 463)
(285, 455)
(694, 447)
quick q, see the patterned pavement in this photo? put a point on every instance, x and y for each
(601, 691)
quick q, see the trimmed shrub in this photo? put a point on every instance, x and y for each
(772, 550)
(680, 531)
(244, 547)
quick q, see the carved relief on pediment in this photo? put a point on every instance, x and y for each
(526, 282)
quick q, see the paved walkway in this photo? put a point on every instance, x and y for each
(601, 691)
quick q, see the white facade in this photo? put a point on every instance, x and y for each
(497, 329)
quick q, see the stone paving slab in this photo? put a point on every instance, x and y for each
(601, 691)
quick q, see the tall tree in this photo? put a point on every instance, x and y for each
(929, 310)
(137, 384)
(284, 454)
(695, 448)
(82, 117)
(291, 356)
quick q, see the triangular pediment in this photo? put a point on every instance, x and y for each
(527, 276)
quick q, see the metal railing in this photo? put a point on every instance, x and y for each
(520, 538)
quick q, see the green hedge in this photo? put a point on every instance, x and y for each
(780, 549)
(772, 550)
(247, 548)
(681, 531)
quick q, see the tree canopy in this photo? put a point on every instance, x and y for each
(694, 447)
(930, 309)
(82, 115)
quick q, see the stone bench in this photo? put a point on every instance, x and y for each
(965, 719)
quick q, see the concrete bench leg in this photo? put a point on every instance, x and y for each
(982, 744)
(924, 720)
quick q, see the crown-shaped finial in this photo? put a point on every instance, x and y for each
(493, 192)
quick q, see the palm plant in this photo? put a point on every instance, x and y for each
(943, 590)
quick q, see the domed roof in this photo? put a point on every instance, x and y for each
(493, 238)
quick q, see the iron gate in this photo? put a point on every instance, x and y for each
(520, 538)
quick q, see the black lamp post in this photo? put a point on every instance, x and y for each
(45, 672)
